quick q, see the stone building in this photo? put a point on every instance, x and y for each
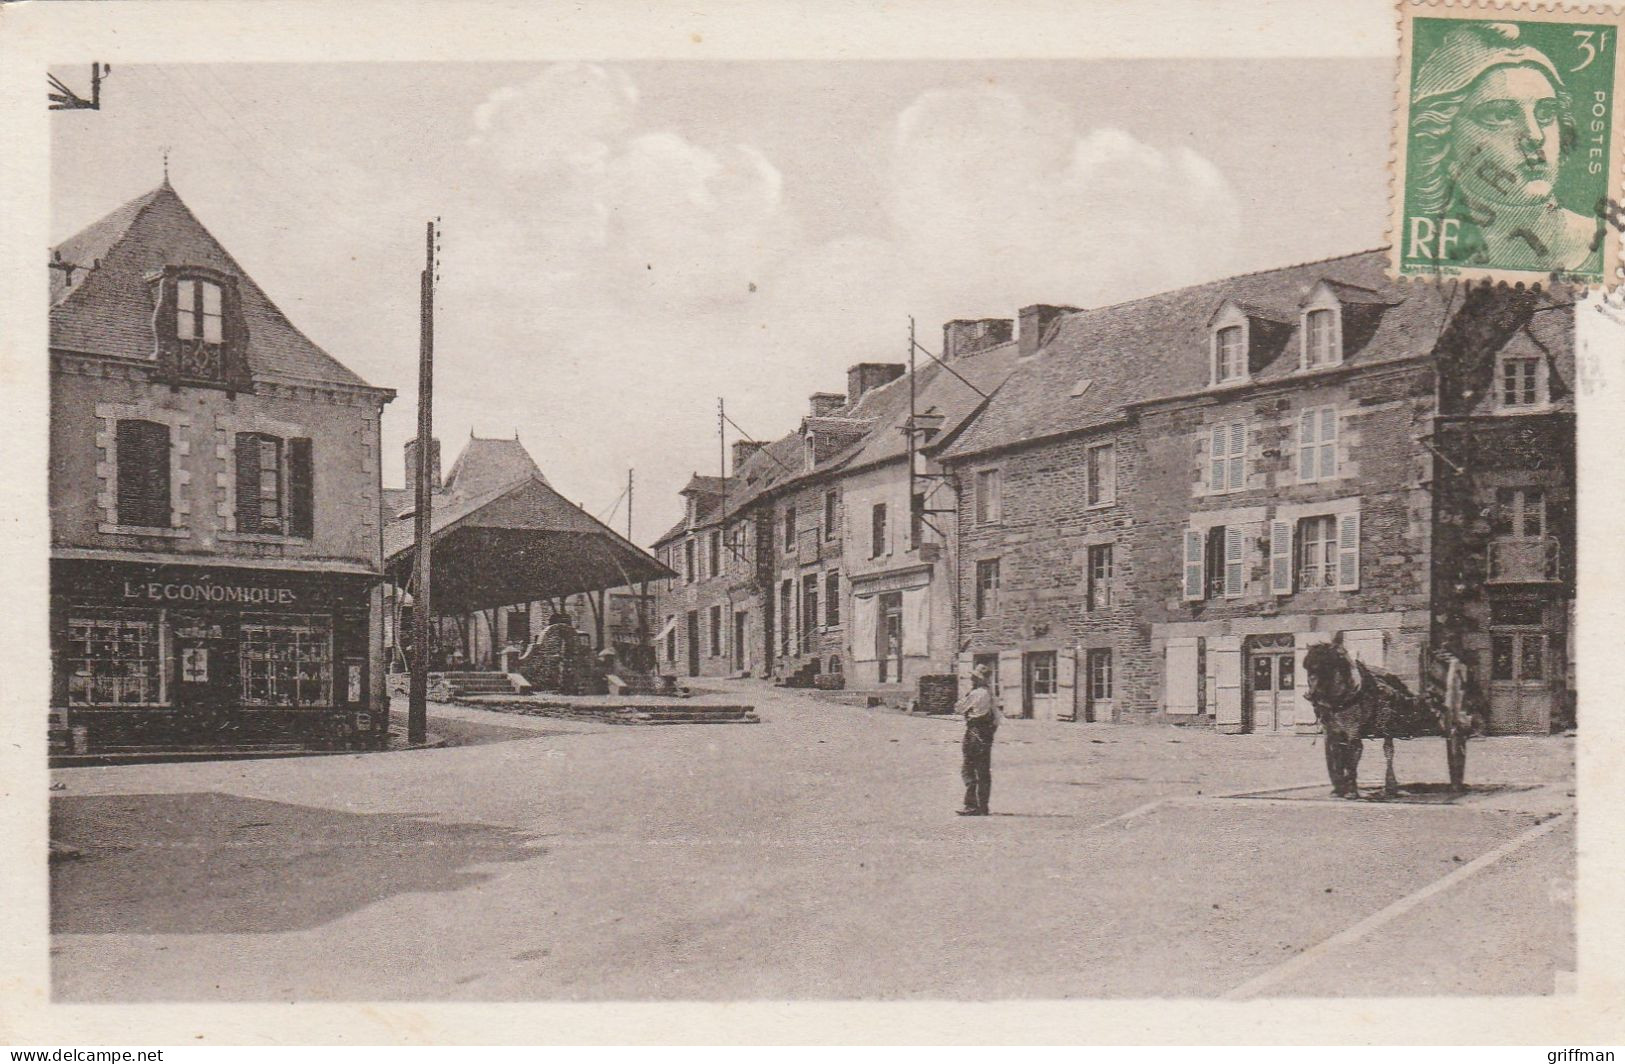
(709, 613)
(1196, 486)
(215, 492)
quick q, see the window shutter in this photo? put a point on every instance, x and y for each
(1066, 684)
(1193, 565)
(301, 489)
(1306, 445)
(1235, 545)
(1238, 456)
(248, 482)
(1280, 557)
(1328, 442)
(1216, 468)
(1225, 652)
(1348, 551)
(1179, 681)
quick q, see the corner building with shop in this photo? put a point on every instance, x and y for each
(215, 505)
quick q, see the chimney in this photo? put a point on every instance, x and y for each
(966, 336)
(742, 450)
(823, 404)
(867, 376)
(412, 463)
(1035, 321)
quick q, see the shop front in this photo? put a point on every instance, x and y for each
(190, 657)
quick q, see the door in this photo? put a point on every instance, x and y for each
(1520, 683)
(1274, 691)
(205, 678)
(693, 642)
(1039, 688)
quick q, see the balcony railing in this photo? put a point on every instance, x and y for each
(1523, 561)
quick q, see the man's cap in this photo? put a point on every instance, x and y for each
(1469, 50)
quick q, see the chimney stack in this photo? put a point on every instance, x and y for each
(966, 336)
(412, 463)
(1035, 322)
(823, 404)
(867, 376)
(742, 450)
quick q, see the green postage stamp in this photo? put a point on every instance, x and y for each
(1507, 147)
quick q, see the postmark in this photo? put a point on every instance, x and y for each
(1507, 138)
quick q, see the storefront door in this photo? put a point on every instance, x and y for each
(1273, 691)
(205, 677)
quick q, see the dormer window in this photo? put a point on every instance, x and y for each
(1521, 382)
(198, 311)
(1320, 338)
(1229, 354)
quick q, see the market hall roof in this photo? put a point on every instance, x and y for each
(104, 304)
(515, 541)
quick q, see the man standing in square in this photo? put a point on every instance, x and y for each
(981, 721)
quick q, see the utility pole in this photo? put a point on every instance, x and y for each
(417, 712)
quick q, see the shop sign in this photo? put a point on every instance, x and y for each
(157, 591)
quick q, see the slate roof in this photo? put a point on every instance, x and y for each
(1158, 347)
(107, 309)
(487, 464)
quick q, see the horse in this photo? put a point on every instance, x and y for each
(1354, 702)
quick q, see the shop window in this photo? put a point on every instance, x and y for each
(287, 662)
(142, 456)
(114, 660)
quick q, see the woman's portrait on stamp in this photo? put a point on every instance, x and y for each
(1493, 131)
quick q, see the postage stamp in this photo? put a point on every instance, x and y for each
(1507, 147)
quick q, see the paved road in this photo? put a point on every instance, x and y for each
(815, 855)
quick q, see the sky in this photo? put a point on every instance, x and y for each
(625, 243)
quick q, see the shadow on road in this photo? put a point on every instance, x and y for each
(213, 863)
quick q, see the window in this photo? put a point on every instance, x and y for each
(716, 631)
(114, 659)
(877, 530)
(1215, 562)
(688, 561)
(1521, 382)
(1227, 451)
(989, 504)
(1102, 475)
(142, 457)
(1517, 656)
(1317, 443)
(832, 599)
(1229, 354)
(831, 502)
(1041, 672)
(1100, 674)
(197, 311)
(786, 615)
(1319, 338)
(1520, 513)
(1317, 552)
(1100, 576)
(987, 587)
(671, 637)
(287, 662)
(716, 553)
(789, 528)
(275, 485)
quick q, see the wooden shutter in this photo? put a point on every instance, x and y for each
(142, 449)
(1238, 456)
(248, 482)
(1369, 645)
(1012, 693)
(1280, 557)
(1179, 679)
(1306, 446)
(301, 489)
(863, 627)
(1348, 551)
(1328, 443)
(917, 622)
(1235, 569)
(1066, 684)
(1225, 653)
(1216, 464)
(1193, 565)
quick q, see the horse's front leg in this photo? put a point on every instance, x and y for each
(1390, 782)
